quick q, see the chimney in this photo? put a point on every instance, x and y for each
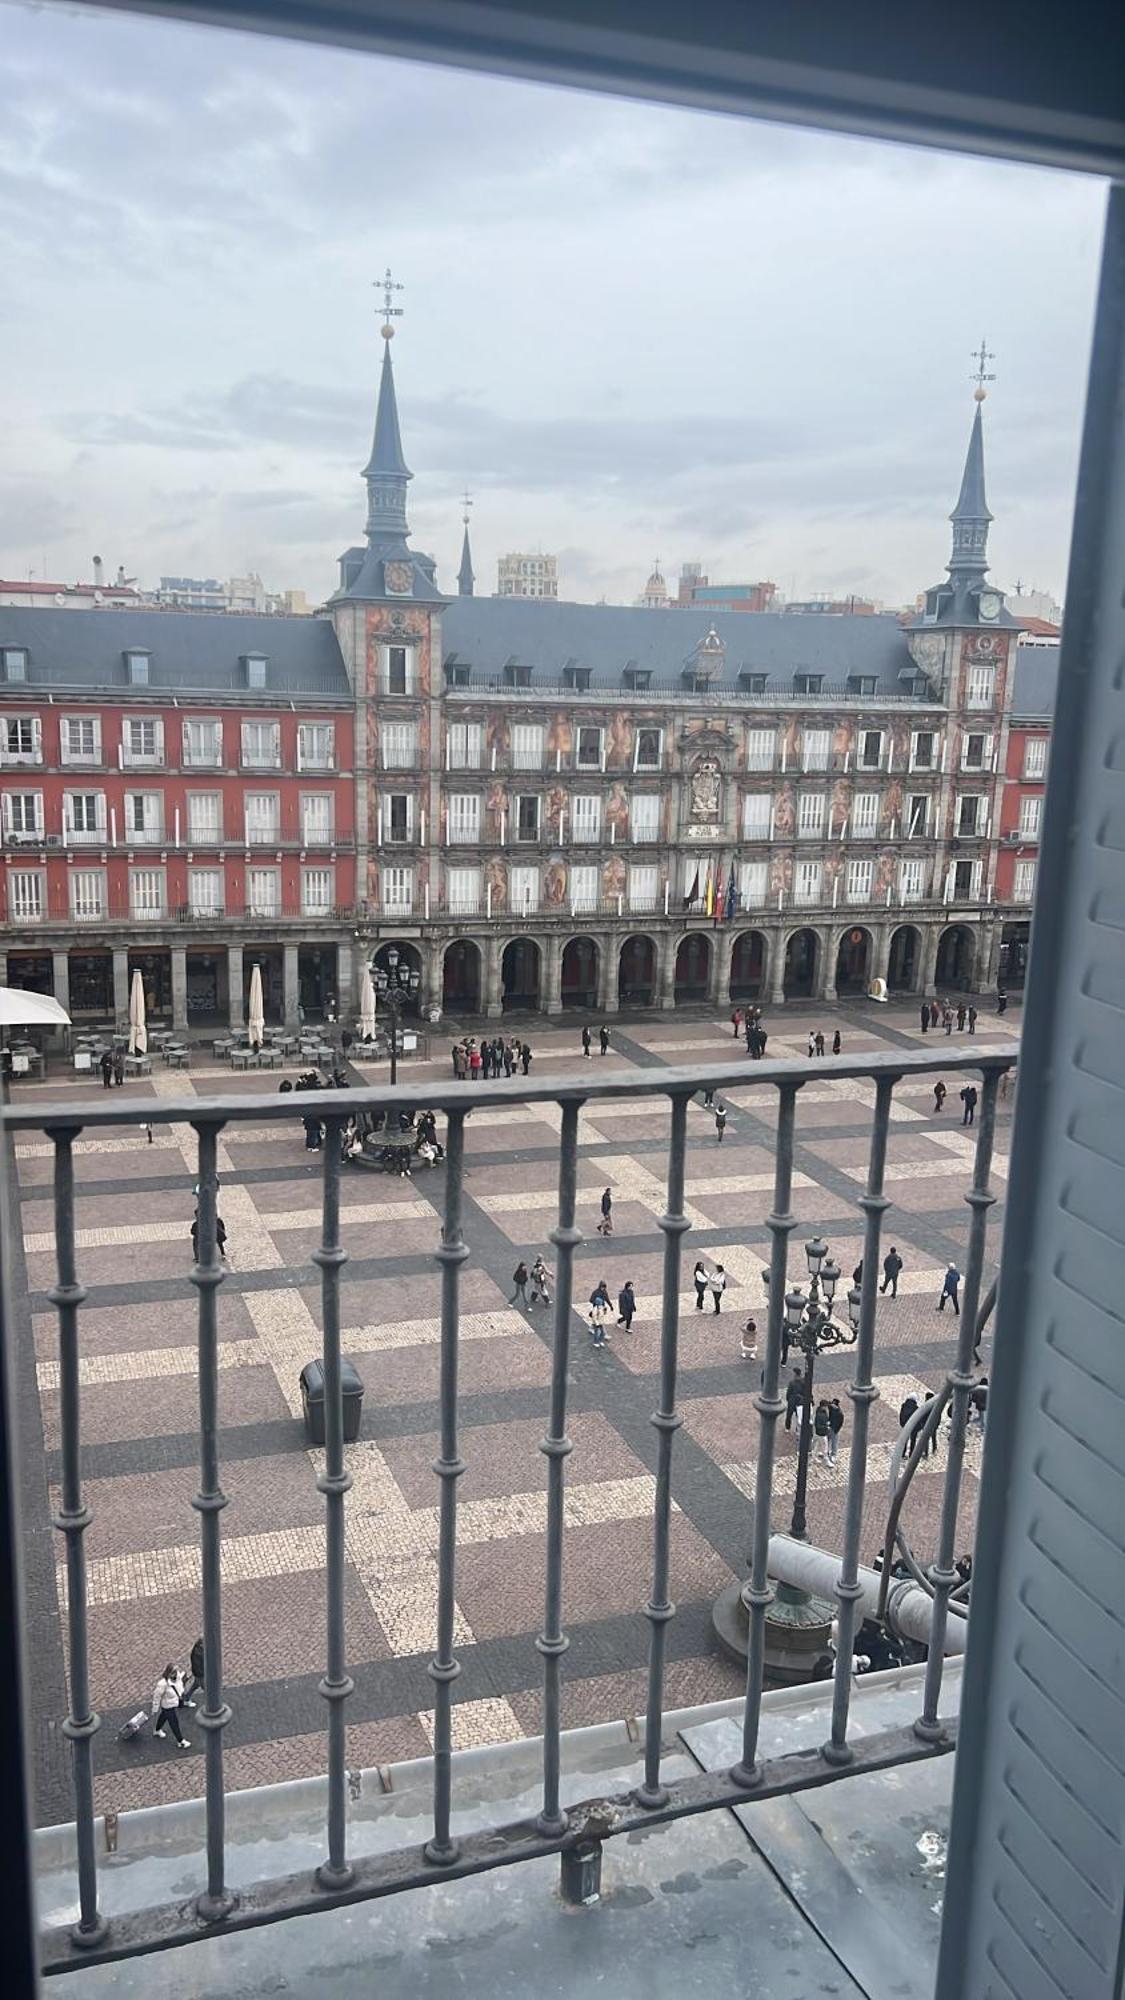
(97, 572)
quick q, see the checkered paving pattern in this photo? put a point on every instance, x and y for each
(139, 1406)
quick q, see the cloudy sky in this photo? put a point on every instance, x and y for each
(631, 331)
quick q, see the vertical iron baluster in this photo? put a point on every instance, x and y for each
(863, 1393)
(659, 1610)
(943, 1576)
(444, 1668)
(209, 1502)
(552, 1643)
(757, 1594)
(334, 1482)
(72, 1520)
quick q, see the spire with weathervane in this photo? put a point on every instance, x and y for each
(386, 471)
(465, 578)
(970, 517)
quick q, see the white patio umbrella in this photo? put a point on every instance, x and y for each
(256, 1014)
(30, 1010)
(367, 1006)
(138, 1033)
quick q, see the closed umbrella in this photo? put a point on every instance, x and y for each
(256, 1017)
(367, 1006)
(138, 1033)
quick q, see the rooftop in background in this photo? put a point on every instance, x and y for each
(186, 650)
(1036, 679)
(72, 596)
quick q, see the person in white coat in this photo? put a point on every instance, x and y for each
(166, 1704)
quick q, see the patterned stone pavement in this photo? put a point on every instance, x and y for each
(139, 1401)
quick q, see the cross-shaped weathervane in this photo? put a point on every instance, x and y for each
(466, 502)
(982, 360)
(387, 286)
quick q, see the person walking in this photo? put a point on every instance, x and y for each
(519, 1280)
(812, 1044)
(525, 1057)
(933, 1013)
(925, 1010)
(486, 1061)
(794, 1397)
(312, 1134)
(700, 1277)
(969, 1100)
(857, 1274)
(626, 1305)
(540, 1283)
(476, 1063)
(220, 1236)
(736, 1022)
(748, 1341)
(960, 1017)
(718, 1283)
(892, 1265)
(947, 1019)
(720, 1122)
(940, 1095)
(978, 1404)
(196, 1680)
(949, 1285)
(603, 1039)
(605, 1226)
(835, 1426)
(929, 1449)
(819, 1042)
(165, 1706)
(972, 1020)
(586, 1038)
(822, 1428)
(119, 1066)
(107, 1068)
(599, 1313)
(1001, 1000)
(907, 1409)
(836, 1044)
(509, 1057)
(763, 1038)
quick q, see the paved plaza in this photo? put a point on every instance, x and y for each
(139, 1402)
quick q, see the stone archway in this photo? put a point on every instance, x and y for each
(461, 977)
(579, 972)
(955, 960)
(748, 966)
(693, 969)
(802, 959)
(905, 961)
(520, 975)
(409, 955)
(854, 962)
(1015, 944)
(636, 976)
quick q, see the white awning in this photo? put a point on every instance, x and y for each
(30, 1010)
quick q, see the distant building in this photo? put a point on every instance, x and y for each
(527, 576)
(34, 595)
(695, 588)
(191, 593)
(655, 593)
(1028, 606)
(833, 607)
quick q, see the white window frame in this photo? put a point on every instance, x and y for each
(399, 737)
(643, 886)
(527, 746)
(935, 750)
(261, 812)
(212, 833)
(318, 892)
(387, 818)
(209, 756)
(1035, 758)
(862, 761)
(1023, 883)
(27, 895)
(808, 883)
(922, 800)
(811, 814)
(753, 885)
(91, 724)
(865, 814)
(150, 833)
(523, 890)
(309, 758)
(1031, 815)
(318, 819)
(816, 749)
(586, 818)
(761, 749)
(30, 734)
(462, 891)
(398, 890)
(519, 838)
(584, 763)
(912, 880)
(463, 818)
(981, 827)
(409, 665)
(582, 887)
(757, 815)
(859, 879)
(985, 750)
(22, 830)
(258, 730)
(148, 895)
(980, 685)
(644, 816)
(201, 901)
(84, 835)
(15, 664)
(149, 728)
(464, 744)
(88, 895)
(653, 763)
(263, 892)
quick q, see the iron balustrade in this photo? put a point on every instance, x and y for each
(340, 1879)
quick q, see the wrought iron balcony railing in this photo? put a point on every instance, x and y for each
(341, 1877)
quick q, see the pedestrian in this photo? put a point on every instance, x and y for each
(586, 1042)
(819, 1043)
(857, 1274)
(835, 1426)
(933, 1013)
(626, 1305)
(709, 1097)
(476, 1063)
(748, 1341)
(822, 1428)
(107, 1067)
(312, 1134)
(196, 1680)
(960, 1017)
(763, 1038)
(519, 1280)
(220, 1236)
(605, 1226)
(1001, 1000)
(892, 1265)
(925, 1015)
(949, 1286)
(969, 1100)
(165, 1706)
(736, 1021)
(525, 1057)
(907, 1409)
(457, 1055)
(940, 1095)
(148, 1129)
(599, 1313)
(978, 1404)
(836, 1043)
(486, 1061)
(509, 1058)
(972, 1020)
(718, 1283)
(1005, 1082)
(603, 1039)
(794, 1397)
(540, 1282)
(700, 1277)
(930, 1446)
(119, 1066)
(812, 1044)
(720, 1123)
(947, 1019)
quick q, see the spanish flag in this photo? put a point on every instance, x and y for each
(709, 894)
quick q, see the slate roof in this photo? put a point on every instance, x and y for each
(187, 650)
(487, 632)
(1036, 679)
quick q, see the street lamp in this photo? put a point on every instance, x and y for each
(395, 982)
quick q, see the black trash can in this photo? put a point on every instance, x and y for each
(312, 1400)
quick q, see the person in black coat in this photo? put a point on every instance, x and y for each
(196, 1679)
(794, 1397)
(823, 1428)
(626, 1305)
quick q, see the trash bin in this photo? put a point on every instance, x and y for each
(312, 1400)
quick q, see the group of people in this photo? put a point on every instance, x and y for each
(816, 1043)
(910, 1406)
(112, 1066)
(935, 1013)
(750, 1023)
(709, 1279)
(174, 1690)
(588, 1041)
(499, 1055)
(539, 1278)
(827, 1420)
(601, 1309)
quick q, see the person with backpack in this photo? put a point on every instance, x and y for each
(605, 1226)
(720, 1123)
(540, 1280)
(519, 1280)
(165, 1706)
(822, 1428)
(835, 1426)
(969, 1100)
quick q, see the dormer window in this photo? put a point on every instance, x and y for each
(255, 670)
(516, 675)
(636, 678)
(458, 674)
(808, 683)
(576, 677)
(752, 683)
(15, 663)
(136, 666)
(862, 683)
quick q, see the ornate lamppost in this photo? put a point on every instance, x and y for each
(395, 983)
(798, 1625)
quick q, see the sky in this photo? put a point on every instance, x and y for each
(631, 332)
